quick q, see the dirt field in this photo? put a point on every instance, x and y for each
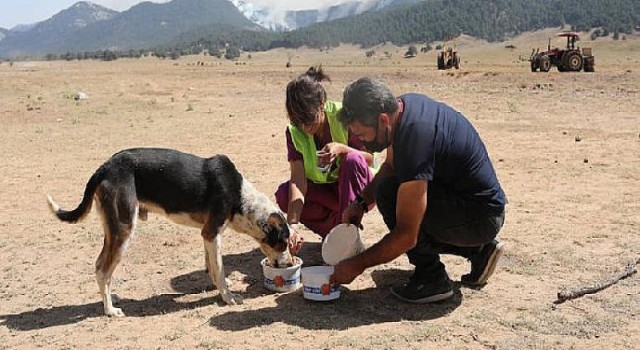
(566, 147)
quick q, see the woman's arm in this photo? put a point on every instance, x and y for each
(297, 191)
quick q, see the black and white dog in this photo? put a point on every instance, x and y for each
(208, 194)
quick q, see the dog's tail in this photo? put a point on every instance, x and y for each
(79, 213)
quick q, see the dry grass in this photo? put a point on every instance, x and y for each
(565, 147)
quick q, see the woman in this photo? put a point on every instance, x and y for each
(321, 186)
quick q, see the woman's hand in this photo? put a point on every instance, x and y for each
(296, 239)
(333, 150)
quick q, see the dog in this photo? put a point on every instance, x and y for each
(206, 193)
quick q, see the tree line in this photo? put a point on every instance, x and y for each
(428, 21)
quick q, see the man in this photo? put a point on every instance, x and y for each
(437, 190)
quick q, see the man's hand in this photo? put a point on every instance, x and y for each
(353, 215)
(345, 272)
(296, 239)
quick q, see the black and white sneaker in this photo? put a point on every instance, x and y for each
(483, 264)
(417, 292)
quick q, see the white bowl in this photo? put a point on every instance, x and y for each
(315, 284)
(342, 242)
(282, 280)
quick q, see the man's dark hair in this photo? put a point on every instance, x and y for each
(305, 95)
(364, 100)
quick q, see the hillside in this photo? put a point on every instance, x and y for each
(144, 25)
(435, 20)
(190, 26)
(50, 35)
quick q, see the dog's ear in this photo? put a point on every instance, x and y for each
(279, 224)
(276, 219)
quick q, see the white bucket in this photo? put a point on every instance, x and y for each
(341, 243)
(315, 283)
(283, 280)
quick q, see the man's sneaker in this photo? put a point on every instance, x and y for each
(420, 293)
(483, 264)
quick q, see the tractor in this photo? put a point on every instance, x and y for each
(571, 59)
(448, 57)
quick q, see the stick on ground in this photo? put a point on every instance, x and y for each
(569, 294)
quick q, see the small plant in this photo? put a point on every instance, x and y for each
(411, 52)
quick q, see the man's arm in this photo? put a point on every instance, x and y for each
(411, 206)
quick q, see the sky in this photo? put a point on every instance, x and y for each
(14, 12)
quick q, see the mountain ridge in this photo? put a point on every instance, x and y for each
(190, 26)
(86, 26)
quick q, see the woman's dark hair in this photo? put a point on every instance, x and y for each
(305, 95)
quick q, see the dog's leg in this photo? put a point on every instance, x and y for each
(207, 269)
(216, 269)
(119, 221)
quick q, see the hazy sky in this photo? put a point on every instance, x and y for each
(13, 12)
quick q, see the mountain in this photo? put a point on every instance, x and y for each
(48, 35)
(22, 27)
(493, 20)
(89, 27)
(187, 26)
(3, 33)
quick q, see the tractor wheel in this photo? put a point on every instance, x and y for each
(534, 63)
(544, 63)
(440, 61)
(589, 65)
(573, 61)
(456, 60)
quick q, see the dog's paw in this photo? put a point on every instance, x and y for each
(114, 312)
(232, 299)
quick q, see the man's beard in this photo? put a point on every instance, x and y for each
(374, 146)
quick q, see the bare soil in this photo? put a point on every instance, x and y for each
(566, 147)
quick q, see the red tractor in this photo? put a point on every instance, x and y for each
(571, 59)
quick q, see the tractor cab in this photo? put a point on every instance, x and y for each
(572, 37)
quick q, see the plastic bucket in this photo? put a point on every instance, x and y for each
(283, 280)
(315, 284)
(341, 243)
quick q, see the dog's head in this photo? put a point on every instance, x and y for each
(275, 243)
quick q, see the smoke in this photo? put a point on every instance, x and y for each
(273, 12)
(294, 5)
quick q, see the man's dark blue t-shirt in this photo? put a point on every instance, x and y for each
(436, 143)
